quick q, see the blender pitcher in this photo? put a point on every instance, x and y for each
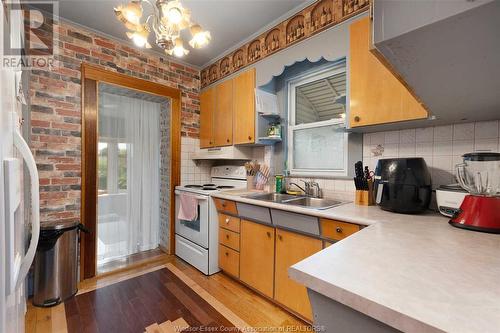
(479, 174)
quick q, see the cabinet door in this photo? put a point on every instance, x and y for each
(223, 115)
(290, 249)
(257, 256)
(207, 105)
(244, 108)
(377, 96)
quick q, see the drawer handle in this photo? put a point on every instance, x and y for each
(268, 234)
(227, 220)
(339, 230)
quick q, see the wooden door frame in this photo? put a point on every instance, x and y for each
(90, 77)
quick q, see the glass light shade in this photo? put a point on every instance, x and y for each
(129, 14)
(174, 15)
(200, 37)
(178, 50)
(140, 38)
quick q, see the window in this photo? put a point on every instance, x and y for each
(112, 166)
(317, 140)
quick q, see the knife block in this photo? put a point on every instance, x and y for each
(365, 198)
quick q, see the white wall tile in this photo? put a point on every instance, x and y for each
(461, 147)
(443, 133)
(423, 148)
(407, 136)
(486, 130)
(424, 134)
(486, 145)
(443, 148)
(463, 131)
(391, 137)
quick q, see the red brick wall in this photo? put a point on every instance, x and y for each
(56, 111)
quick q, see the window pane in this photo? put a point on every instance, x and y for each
(122, 166)
(320, 100)
(319, 148)
(102, 167)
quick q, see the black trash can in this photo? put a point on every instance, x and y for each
(56, 263)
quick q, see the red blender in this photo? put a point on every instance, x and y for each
(479, 174)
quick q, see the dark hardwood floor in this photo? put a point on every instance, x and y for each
(134, 304)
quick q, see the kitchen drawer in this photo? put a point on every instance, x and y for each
(301, 223)
(229, 261)
(337, 230)
(226, 206)
(254, 213)
(229, 222)
(229, 238)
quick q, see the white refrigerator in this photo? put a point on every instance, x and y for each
(17, 246)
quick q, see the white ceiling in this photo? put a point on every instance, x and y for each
(229, 21)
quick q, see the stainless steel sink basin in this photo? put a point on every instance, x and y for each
(273, 197)
(314, 203)
(301, 201)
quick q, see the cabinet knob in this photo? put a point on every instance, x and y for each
(210, 142)
(227, 140)
(227, 220)
(280, 237)
(227, 253)
(339, 230)
(357, 119)
(268, 234)
(227, 236)
(249, 137)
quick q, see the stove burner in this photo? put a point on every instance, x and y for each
(221, 187)
(209, 185)
(209, 188)
(193, 186)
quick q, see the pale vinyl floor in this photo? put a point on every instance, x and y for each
(255, 310)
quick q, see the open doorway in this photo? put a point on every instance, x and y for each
(133, 170)
(131, 133)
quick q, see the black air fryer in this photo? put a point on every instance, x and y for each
(403, 185)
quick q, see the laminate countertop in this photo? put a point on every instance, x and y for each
(415, 273)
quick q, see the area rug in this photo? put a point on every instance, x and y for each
(162, 301)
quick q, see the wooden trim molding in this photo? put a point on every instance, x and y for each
(317, 17)
(91, 76)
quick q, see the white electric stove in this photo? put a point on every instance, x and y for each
(197, 241)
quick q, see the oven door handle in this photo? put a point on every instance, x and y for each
(198, 197)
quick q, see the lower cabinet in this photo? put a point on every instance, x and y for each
(229, 260)
(257, 256)
(290, 249)
(260, 254)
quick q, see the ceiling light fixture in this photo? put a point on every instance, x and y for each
(168, 19)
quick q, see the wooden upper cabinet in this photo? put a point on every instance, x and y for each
(207, 105)
(257, 256)
(377, 96)
(223, 114)
(244, 108)
(290, 249)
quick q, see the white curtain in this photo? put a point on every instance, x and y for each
(134, 122)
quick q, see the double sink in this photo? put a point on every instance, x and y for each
(293, 200)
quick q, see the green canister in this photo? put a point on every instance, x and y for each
(279, 183)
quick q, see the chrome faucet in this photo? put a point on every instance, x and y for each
(310, 189)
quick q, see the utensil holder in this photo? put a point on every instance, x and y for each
(365, 197)
(250, 183)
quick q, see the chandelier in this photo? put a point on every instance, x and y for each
(168, 19)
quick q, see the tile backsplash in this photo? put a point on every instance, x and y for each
(440, 146)
(193, 172)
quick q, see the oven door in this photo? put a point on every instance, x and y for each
(195, 231)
